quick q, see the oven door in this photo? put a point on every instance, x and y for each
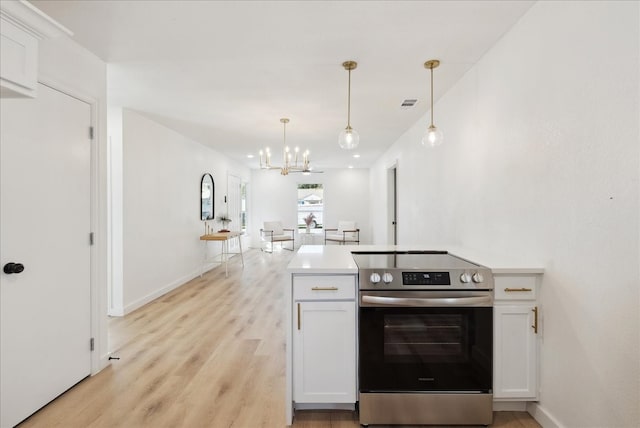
(425, 341)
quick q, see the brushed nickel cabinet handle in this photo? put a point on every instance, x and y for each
(298, 316)
(324, 288)
(510, 290)
(535, 320)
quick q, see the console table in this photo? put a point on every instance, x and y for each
(223, 238)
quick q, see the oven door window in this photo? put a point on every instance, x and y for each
(426, 349)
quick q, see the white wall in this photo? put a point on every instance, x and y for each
(161, 198)
(541, 159)
(114, 200)
(68, 67)
(274, 197)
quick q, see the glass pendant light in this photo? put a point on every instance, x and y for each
(349, 138)
(433, 136)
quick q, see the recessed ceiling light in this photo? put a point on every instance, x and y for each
(250, 156)
(356, 156)
(350, 166)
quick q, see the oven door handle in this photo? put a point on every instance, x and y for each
(425, 302)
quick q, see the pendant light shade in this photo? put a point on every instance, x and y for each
(349, 138)
(432, 136)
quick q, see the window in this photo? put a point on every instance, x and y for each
(310, 206)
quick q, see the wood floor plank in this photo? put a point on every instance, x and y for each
(208, 354)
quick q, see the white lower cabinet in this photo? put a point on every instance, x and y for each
(324, 339)
(515, 346)
(515, 335)
(324, 353)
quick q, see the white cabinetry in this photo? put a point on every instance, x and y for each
(18, 60)
(324, 339)
(21, 27)
(516, 328)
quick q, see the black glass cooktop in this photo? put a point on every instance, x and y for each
(432, 260)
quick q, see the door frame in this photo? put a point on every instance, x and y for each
(392, 204)
(98, 251)
(229, 201)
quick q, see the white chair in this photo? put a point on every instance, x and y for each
(274, 232)
(347, 232)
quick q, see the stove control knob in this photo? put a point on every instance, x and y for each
(374, 278)
(387, 278)
(465, 278)
(477, 278)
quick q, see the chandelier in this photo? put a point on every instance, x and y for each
(291, 161)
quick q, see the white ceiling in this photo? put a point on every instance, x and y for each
(224, 72)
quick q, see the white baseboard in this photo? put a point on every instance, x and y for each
(542, 416)
(103, 363)
(116, 312)
(164, 290)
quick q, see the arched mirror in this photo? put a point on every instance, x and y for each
(207, 192)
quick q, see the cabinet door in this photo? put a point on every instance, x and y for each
(324, 352)
(515, 353)
(19, 61)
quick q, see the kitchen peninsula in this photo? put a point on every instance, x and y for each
(322, 312)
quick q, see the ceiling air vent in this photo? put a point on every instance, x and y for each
(408, 103)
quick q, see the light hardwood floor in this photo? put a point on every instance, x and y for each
(208, 354)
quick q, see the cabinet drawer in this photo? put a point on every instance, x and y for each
(515, 287)
(324, 287)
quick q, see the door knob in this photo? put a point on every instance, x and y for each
(10, 268)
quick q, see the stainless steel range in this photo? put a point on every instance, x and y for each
(425, 339)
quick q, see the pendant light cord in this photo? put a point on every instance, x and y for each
(432, 96)
(349, 102)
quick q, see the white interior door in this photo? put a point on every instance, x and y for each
(45, 209)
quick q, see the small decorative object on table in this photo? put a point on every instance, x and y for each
(224, 219)
(309, 220)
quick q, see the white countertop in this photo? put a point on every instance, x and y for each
(323, 259)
